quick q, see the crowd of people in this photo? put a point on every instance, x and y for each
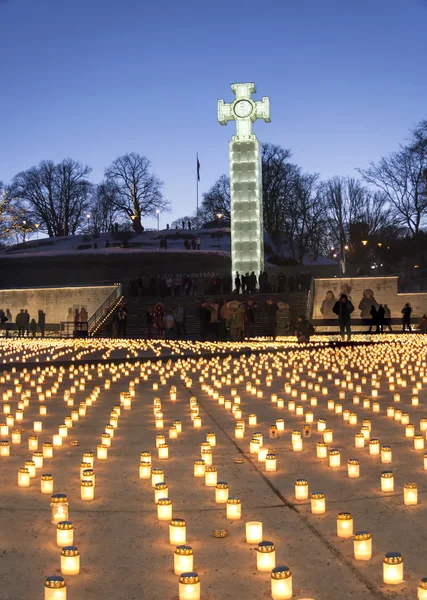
(216, 285)
(23, 323)
(379, 314)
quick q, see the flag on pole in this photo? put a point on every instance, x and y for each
(198, 168)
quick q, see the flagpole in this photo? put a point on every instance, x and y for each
(197, 191)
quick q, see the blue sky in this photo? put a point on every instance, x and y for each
(94, 79)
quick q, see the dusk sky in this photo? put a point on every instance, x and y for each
(92, 80)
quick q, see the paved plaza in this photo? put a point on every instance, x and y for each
(240, 408)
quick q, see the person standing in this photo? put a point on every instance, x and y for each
(250, 318)
(21, 322)
(236, 320)
(122, 316)
(381, 318)
(33, 328)
(237, 283)
(27, 322)
(149, 320)
(198, 243)
(387, 318)
(42, 322)
(179, 316)
(406, 317)
(282, 319)
(3, 321)
(374, 319)
(343, 308)
(271, 309)
(205, 318)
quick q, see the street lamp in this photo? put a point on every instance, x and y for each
(158, 219)
(37, 225)
(364, 242)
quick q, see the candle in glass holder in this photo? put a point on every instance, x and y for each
(4, 448)
(318, 503)
(344, 525)
(328, 437)
(57, 440)
(55, 588)
(353, 468)
(334, 458)
(301, 489)
(359, 440)
(270, 462)
(16, 436)
(70, 560)
(38, 459)
(374, 447)
(221, 492)
(419, 442)
(253, 532)
(386, 454)
(157, 476)
(160, 491)
(177, 532)
(58, 508)
(321, 450)
(144, 470)
(321, 425)
(183, 559)
(64, 534)
(163, 451)
(102, 452)
(409, 430)
(410, 494)
(422, 589)
(33, 442)
(387, 481)
(164, 509)
(24, 477)
(210, 476)
(376, 407)
(281, 583)
(189, 586)
(31, 466)
(199, 468)
(362, 545)
(280, 424)
(252, 419)
(211, 438)
(266, 556)
(234, 508)
(393, 568)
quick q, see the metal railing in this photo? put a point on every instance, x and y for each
(104, 310)
(73, 329)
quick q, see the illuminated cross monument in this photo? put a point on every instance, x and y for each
(247, 236)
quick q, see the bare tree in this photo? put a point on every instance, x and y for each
(305, 221)
(401, 177)
(138, 192)
(55, 197)
(216, 201)
(103, 211)
(278, 186)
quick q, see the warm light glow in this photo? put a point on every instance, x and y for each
(266, 556)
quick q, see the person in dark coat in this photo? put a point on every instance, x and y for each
(42, 322)
(205, 319)
(343, 309)
(303, 329)
(237, 283)
(374, 319)
(406, 317)
(271, 309)
(381, 318)
(21, 323)
(387, 318)
(367, 301)
(33, 327)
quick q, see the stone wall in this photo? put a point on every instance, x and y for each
(55, 302)
(358, 289)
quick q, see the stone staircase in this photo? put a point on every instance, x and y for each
(137, 307)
